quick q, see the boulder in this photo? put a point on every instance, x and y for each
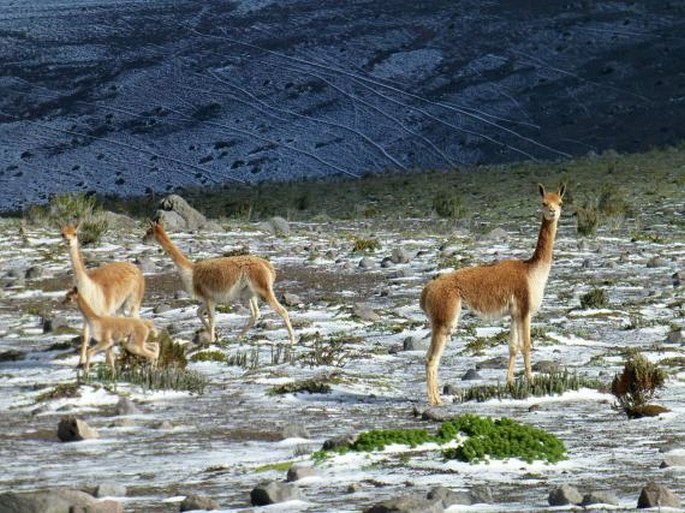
(298, 471)
(470, 375)
(54, 323)
(295, 431)
(366, 313)
(416, 344)
(176, 215)
(71, 429)
(56, 500)
(564, 495)
(126, 407)
(448, 498)
(198, 502)
(400, 256)
(600, 497)
(654, 495)
(409, 504)
(673, 460)
(289, 299)
(110, 489)
(277, 226)
(273, 492)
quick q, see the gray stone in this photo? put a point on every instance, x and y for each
(387, 262)
(279, 226)
(673, 460)
(675, 336)
(564, 495)
(546, 366)
(146, 265)
(198, 502)
(366, 313)
(110, 489)
(654, 495)
(118, 221)
(126, 407)
(435, 414)
(192, 219)
(600, 497)
(498, 362)
(54, 323)
(400, 256)
(449, 497)
(299, 471)
(366, 263)
(295, 431)
(34, 272)
(470, 375)
(290, 299)
(415, 344)
(172, 221)
(55, 500)
(339, 441)
(496, 235)
(71, 429)
(409, 504)
(656, 261)
(273, 492)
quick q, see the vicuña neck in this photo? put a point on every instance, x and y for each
(80, 274)
(545, 245)
(86, 310)
(176, 255)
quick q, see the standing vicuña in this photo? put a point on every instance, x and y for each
(133, 332)
(510, 287)
(223, 279)
(107, 289)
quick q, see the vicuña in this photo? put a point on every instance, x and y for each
(108, 289)
(223, 279)
(107, 331)
(510, 287)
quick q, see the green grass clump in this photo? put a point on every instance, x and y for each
(209, 356)
(362, 245)
(170, 378)
(311, 386)
(60, 391)
(484, 438)
(595, 298)
(500, 439)
(543, 385)
(587, 217)
(637, 385)
(449, 205)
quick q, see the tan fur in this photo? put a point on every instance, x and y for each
(108, 289)
(107, 331)
(511, 287)
(223, 279)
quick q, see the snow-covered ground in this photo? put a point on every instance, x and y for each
(221, 443)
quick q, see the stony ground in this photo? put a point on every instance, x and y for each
(352, 314)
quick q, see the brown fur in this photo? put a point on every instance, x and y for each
(510, 287)
(108, 289)
(223, 279)
(107, 331)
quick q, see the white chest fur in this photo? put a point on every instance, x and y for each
(536, 285)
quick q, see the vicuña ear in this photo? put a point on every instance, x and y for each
(541, 188)
(562, 190)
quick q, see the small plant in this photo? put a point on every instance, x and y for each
(595, 298)
(209, 356)
(60, 391)
(484, 438)
(311, 386)
(612, 202)
(449, 205)
(332, 351)
(636, 386)
(170, 378)
(587, 217)
(365, 245)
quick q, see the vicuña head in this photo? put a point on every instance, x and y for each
(510, 287)
(223, 279)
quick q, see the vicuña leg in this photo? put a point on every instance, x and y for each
(103, 345)
(520, 342)
(254, 315)
(136, 345)
(280, 310)
(85, 341)
(514, 348)
(527, 346)
(441, 329)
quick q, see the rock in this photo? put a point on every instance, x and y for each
(366, 263)
(449, 497)
(278, 226)
(118, 221)
(435, 414)
(298, 471)
(295, 431)
(110, 489)
(163, 425)
(677, 278)
(273, 492)
(290, 299)
(54, 323)
(71, 429)
(34, 272)
(656, 261)
(498, 362)
(387, 262)
(353, 488)
(172, 221)
(496, 235)
(12, 355)
(126, 407)
(673, 460)
(450, 389)
(600, 497)
(654, 495)
(408, 504)
(471, 374)
(161, 308)
(56, 500)
(174, 207)
(675, 336)
(415, 344)
(400, 256)
(339, 441)
(564, 495)
(146, 265)
(365, 313)
(198, 502)
(546, 367)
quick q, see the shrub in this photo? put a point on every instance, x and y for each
(208, 356)
(612, 202)
(365, 245)
(60, 391)
(587, 217)
(485, 438)
(312, 386)
(636, 386)
(595, 298)
(449, 205)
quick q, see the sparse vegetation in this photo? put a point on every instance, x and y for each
(209, 356)
(449, 205)
(319, 385)
(60, 391)
(362, 245)
(637, 384)
(595, 298)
